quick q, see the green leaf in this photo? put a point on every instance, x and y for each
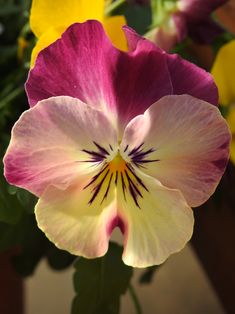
(58, 259)
(8, 236)
(33, 245)
(161, 9)
(10, 208)
(138, 17)
(100, 282)
(27, 200)
(8, 9)
(147, 276)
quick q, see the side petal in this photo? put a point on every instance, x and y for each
(222, 71)
(105, 78)
(189, 145)
(46, 14)
(49, 143)
(186, 77)
(72, 223)
(160, 226)
(113, 26)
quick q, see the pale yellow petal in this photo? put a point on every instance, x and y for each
(157, 220)
(74, 223)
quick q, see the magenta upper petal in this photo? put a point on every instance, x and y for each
(76, 65)
(186, 77)
(84, 64)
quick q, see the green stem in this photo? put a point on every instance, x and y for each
(11, 96)
(102, 271)
(135, 300)
(113, 6)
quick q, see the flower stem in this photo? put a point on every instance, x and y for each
(135, 300)
(113, 6)
(16, 92)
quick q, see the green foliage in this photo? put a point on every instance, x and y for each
(147, 276)
(10, 208)
(32, 243)
(161, 9)
(100, 282)
(58, 259)
(138, 17)
(13, 101)
(222, 40)
(32, 246)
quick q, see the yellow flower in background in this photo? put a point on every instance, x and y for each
(223, 72)
(22, 45)
(231, 122)
(49, 19)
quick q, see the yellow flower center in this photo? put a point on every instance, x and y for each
(117, 164)
(118, 173)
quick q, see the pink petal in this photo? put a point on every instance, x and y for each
(48, 143)
(189, 142)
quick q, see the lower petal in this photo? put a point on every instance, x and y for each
(160, 226)
(74, 224)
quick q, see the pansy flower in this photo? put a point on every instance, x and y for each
(112, 140)
(181, 18)
(49, 19)
(223, 71)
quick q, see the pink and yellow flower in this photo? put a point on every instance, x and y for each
(119, 145)
(49, 19)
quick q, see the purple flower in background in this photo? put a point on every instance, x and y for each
(197, 15)
(186, 18)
